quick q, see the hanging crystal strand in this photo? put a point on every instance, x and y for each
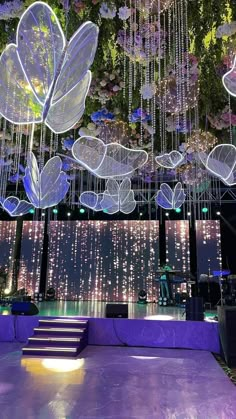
(169, 34)
(230, 122)
(131, 48)
(183, 70)
(159, 76)
(124, 56)
(147, 47)
(2, 168)
(187, 42)
(17, 157)
(165, 96)
(51, 144)
(153, 100)
(140, 26)
(134, 43)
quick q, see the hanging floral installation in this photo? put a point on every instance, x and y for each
(105, 102)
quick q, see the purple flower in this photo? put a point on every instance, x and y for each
(139, 115)
(101, 116)
(124, 13)
(68, 143)
(107, 12)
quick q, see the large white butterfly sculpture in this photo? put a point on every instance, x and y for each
(43, 77)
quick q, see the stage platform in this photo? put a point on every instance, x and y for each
(147, 326)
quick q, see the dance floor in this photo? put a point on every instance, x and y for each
(115, 383)
(97, 309)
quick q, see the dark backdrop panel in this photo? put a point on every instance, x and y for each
(31, 256)
(208, 238)
(103, 260)
(7, 244)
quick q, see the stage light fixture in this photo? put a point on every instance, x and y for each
(55, 211)
(142, 297)
(178, 210)
(82, 210)
(204, 210)
(32, 211)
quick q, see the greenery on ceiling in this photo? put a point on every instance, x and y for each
(204, 16)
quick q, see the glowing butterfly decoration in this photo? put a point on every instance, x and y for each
(42, 77)
(107, 160)
(118, 197)
(15, 207)
(170, 199)
(47, 188)
(91, 200)
(229, 80)
(221, 162)
(170, 160)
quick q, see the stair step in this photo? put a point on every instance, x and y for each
(65, 331)
(41, 340)
(63, 322)
(50, 351)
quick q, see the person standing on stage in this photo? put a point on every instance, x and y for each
(163, 282)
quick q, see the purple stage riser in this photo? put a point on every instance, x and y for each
(42, 354)
(46, 342)
(147, 333)
(67, 333)
(72, 325)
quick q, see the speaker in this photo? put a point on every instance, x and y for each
(24, 308)
(194, 309)
(227, 330)
(117, 311)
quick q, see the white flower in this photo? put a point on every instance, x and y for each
(107, 12)
(124, 13)
(228, 29)
(148, 91)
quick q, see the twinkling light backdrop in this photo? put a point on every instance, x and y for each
(177, 244)
(7, 244)
(103, 260)
(208, 238)
(178, 248)
(31, 256)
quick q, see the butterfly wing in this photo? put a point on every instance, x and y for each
(40, 45)
(18, 103)
(66, 112)
(78, 58)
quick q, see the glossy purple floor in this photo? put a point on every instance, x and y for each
(115, 382)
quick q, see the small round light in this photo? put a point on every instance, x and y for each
(167, 214)
(178, 210)
(82, 210)
(32, 211)
(189, 213)
(218, 212)
(140, 214)
(204, 210)
(55, 211)
(43, 214)
(68, 214)
(105, 210)
(7, 291)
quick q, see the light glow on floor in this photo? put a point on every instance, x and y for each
(159, 317)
